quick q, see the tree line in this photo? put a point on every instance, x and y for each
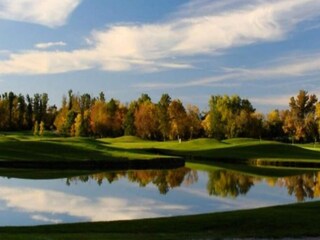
(168, 119)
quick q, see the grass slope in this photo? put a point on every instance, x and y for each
(17, 147)
(295, 220)
(21, 147)
(231, 150)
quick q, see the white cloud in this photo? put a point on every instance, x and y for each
(158, 46)
(51, 13)
(40, 202)
(50, 44)
(208, 33)
(42, 218)
(43, 62)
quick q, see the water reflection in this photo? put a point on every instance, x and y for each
(228, 184)
(222, 183)
(302, 186)
(162, 179)
(135, 194)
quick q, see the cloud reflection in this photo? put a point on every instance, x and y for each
(40, 202)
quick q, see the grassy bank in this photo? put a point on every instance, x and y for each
(295, 220)
(227, 149)
(22, 150)
(22, 147)
(252, 151)
(25, 147)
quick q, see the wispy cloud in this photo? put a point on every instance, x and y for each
(165, 45)
(272, 100)
(50, 44)
(50, 13)
(279, 100)
(294, 66)
(297, 66)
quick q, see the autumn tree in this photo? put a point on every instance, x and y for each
(178, 116)
(60, 120)
(64, 121)
(145, 120)
(106, 118)
(300, 120)
(115, 118)
(317, 116)
(99, 119)
(195, 128)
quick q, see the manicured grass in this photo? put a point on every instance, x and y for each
(17, 147)
(231, 151)
(227, 149)
(24, 146)
(295, 220)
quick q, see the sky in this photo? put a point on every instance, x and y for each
(262, 50)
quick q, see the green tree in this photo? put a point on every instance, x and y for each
(29, 113)
(129, 127)
(229, 117)
(273, 125)
(102, 97)
(163, 115)
(144, 98)
(11, 105)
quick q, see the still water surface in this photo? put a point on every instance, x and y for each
(143, 194)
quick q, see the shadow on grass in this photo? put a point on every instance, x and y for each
(275, 151)
(49, 150)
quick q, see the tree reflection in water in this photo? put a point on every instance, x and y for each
(225, 183)
(303, 186)
(163, 179)
(222, 183)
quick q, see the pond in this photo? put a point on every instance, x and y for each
(109, 196)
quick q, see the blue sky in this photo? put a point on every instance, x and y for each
(263, 50)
